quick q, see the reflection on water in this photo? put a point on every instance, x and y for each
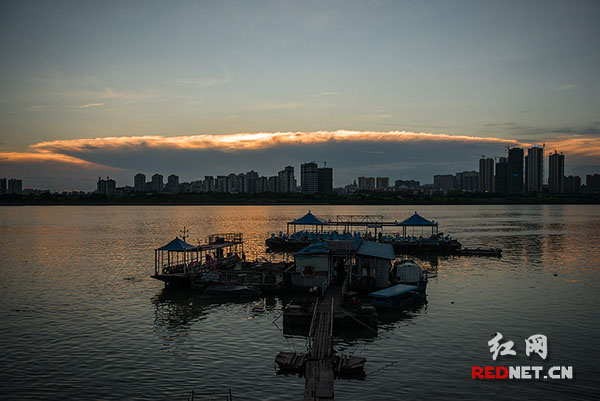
(389, 320)
(176, 309)
(80, 311)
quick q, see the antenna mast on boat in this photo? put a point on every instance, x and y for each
(184, 231)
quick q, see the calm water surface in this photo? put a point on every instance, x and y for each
(81, 318)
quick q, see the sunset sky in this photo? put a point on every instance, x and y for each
(404, 89)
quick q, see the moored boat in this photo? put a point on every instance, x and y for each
(407, 271)
(345, 366)
(291, 361)
(181, 264)
(396, 297)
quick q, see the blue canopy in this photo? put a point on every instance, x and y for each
(176, 245)
(417, 220)
(393, 291)
(309, 219)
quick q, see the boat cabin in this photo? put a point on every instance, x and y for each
(313, 266)
(373, 260)
(350, 261)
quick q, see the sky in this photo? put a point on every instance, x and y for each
(404, 89)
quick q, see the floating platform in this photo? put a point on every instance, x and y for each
(344, 366)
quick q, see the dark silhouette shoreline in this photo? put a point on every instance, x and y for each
(362, 198)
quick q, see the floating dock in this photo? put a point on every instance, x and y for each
(321, 365)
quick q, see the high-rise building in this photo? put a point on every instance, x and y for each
(486, 175)
(309, 176)
(444, 182)
(15, 186)
(261, 184)
(382, 182)
(172, 183)
(286, 181)
(534, 169)
(221, 183)
(501, 181)
(139, 182)
(209, 183)
(592, 183)
(250, 182)
(466, 181)
(106, 187)
(362, 183)
(556, 173)
(233, 184)
(273, 184)
(2, 186)
(515, 171)
(573, 184)
(157, 183)
(366, 183)
(325, 180)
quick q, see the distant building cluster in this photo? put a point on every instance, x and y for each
(380, 184)
(513, 174)
(11, 186)
(517, 174)
(314, 180)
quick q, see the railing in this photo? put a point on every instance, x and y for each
(324, 287)
(312, 320)
(224, 237)
(194, 267)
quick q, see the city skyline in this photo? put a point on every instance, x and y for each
(509, 176)
(389, 88)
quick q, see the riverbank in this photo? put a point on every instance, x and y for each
(363, 198)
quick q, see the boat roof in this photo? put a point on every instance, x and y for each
(417, 220)
(309, 219)
(177, 245)
(393, 291)
(376, 249)
(316, 248)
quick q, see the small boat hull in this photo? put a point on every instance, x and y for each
(494, 252)
(230, 291)
(396, 297)
(396, 302)
(291, 362)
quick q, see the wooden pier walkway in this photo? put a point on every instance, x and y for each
(319, 376)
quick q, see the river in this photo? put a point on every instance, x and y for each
(82, 319)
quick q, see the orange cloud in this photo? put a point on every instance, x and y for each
(43, 157)
(249, 141)
(61, 151)
(576, 145)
